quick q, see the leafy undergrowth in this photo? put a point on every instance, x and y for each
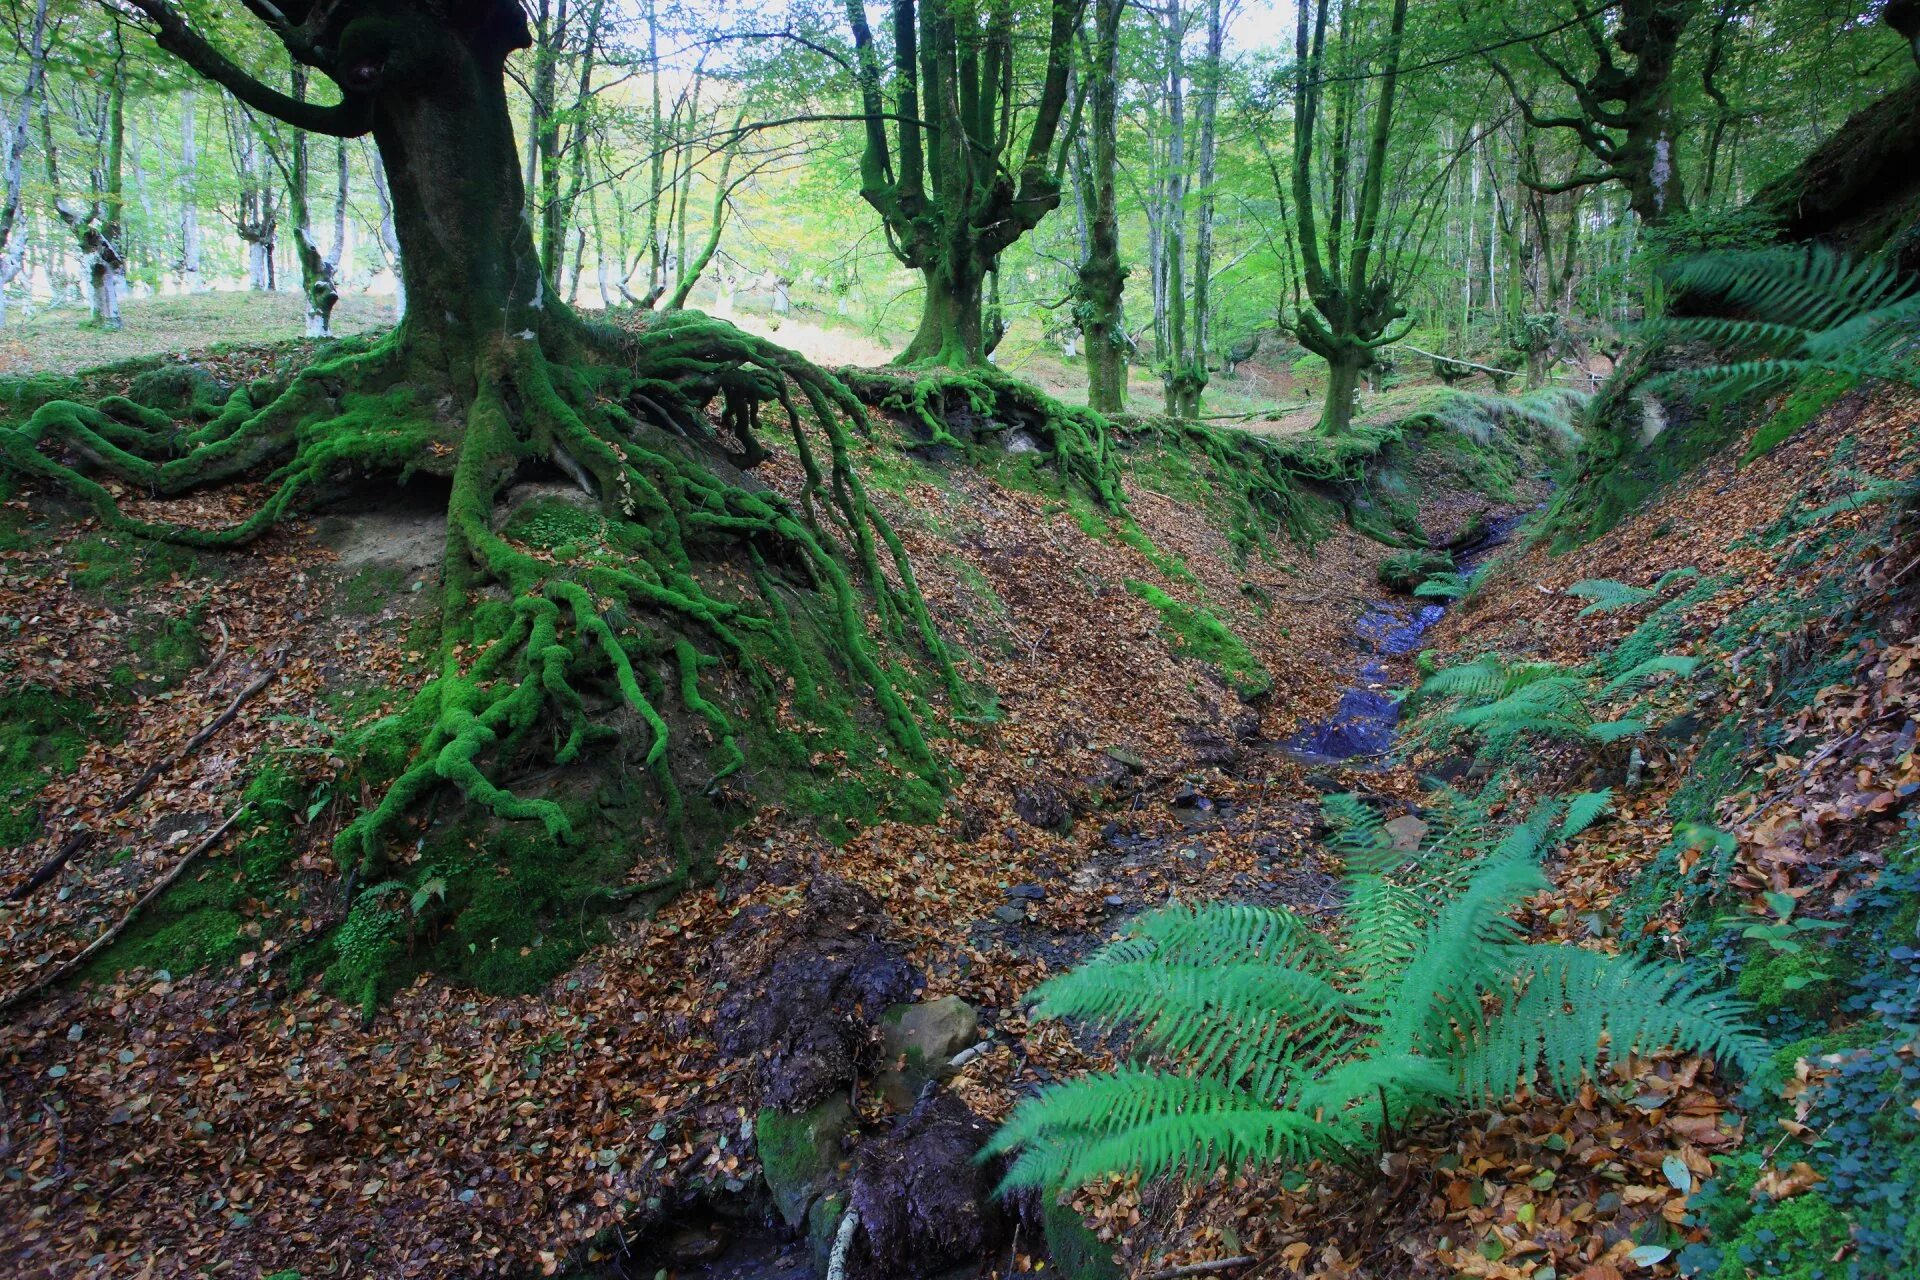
(539, 1064)
(1755, 630)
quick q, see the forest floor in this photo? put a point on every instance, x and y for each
(223, 1119)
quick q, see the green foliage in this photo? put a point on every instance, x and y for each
(1197, 633)
(1798, 310)
(1282, 1046)
(1609, 596)
(1815, 391)
(1406, 570)
(1502, 702)
(1447, 585)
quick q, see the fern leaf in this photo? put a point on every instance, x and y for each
(1608, 596)
(1639, 676)
(1584, 810)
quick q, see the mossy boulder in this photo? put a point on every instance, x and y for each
(918, 1041)
(800, 1155)
(180, 389)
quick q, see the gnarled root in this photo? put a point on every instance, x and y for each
(689, 573)
(1079, 440)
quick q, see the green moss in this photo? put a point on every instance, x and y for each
(215, 913)
(42, 736)
(1813, 975)
(114, 565)
(162, 653)
(368, 591)
(1802, 405)
(1792, 1239)
(179, 389)
(1197, 633)
(1074, 1250)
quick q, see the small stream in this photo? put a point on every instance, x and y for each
(1362, 725)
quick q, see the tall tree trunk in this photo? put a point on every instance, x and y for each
(13, 237)
(1209, 89)
(1173, 351)
(191, 246)
(1102, 277)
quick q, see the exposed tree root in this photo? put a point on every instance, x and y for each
(1079, 441)
(533, 639)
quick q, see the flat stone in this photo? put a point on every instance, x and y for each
(1115, 900)
(1010, 914)
(1030, 892)
(1406, 832)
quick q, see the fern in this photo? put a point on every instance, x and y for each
(1636, 678)
(1272, 1045)
(1609, 596)
(1585, 810)
(1792, 311)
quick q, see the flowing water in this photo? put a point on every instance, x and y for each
(1361, 726)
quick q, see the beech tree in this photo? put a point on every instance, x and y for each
(1355, 304)
(971, 165)
(684, 569)
(1102, 276)
(1613, 68)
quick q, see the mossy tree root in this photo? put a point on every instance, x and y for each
(531, 636)
(1266, 480)
(1079, 441)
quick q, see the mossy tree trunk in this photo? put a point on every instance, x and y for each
(1102, 277)
(490, 377)
(1354, 305)
(1622, 111)
(952, 184)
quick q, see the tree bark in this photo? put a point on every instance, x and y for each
(13, 239)
(1102, 276)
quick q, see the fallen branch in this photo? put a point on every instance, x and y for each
(105, 940)
(843, 1245)
(1205, 1268)
(1464, 364)
(81, 837)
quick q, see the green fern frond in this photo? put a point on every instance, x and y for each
(1608, 595)
(1285, 1050)
(1572, 999)
(1584, 810)
(1607, 732)
(1796, 310)
(1137, 1120)
(1637, 678)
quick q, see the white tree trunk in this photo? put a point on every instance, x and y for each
(259, 266)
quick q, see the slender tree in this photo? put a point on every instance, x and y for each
(1102, 275)
(971, 165)
(13, 238)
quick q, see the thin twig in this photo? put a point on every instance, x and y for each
(82, 837)
(100, 943)
(1205, 1268)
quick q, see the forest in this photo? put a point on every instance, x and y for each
(1125, 639)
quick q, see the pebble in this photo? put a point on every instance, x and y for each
(1010, 915)
(1115, 900)
(1030, 892)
